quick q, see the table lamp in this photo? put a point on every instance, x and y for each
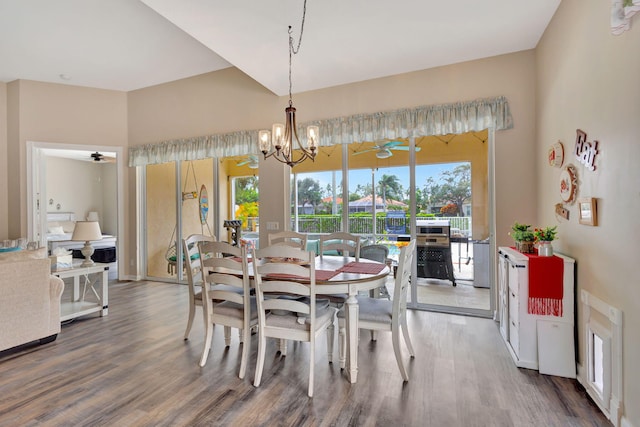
(93, 216)
(87, 231)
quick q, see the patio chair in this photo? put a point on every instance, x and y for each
(395, 222)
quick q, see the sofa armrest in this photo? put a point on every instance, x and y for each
(56, 286)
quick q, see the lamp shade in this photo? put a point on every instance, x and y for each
(86, 231)
(92, 216)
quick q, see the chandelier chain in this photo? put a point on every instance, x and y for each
(292, 50)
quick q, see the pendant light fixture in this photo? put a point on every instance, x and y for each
(279, 143)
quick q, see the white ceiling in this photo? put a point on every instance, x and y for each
(130, 44)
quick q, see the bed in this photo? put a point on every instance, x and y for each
(60, 229)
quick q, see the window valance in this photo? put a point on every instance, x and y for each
(429, 120)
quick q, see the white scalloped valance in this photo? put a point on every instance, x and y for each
(429, 120)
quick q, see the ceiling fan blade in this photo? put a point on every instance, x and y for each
(366, 151)
(402, 148)
(392, 144)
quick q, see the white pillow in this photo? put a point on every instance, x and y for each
(68, 226)
(56, 229)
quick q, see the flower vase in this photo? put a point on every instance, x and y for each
(545, 249)
(524, 247)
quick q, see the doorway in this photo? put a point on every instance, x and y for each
(75, 182)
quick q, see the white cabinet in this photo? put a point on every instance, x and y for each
(519, 328)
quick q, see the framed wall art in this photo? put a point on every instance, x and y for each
(588, 212)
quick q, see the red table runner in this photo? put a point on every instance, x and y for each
(362, 268)
(321, 275)
(545, 285)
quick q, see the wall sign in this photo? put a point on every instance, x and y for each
(561, 211)
(568, 184)
(585, 151)
(556, 154)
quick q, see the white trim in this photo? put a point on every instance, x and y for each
(611, 399)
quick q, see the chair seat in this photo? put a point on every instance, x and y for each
(232, 309)
(290, 321)
(372, 310)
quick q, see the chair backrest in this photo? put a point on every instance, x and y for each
(375, 252)
(288, 238)
(403, 278)
(275, 275)
(345, 243)
(225, 264)
(192, 259)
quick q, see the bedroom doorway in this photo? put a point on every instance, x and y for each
(75, 181)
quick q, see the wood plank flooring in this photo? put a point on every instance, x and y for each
(132, 368)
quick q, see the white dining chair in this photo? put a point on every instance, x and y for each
(382, 315)
(226, 296)
(194, 278)
(377, 253)
(343, 243)
(297, 317)
(288, 238)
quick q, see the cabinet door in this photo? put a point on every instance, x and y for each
(503, 299)
(514, 307)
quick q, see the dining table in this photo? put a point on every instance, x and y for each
(346, 275)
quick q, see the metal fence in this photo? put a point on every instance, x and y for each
(321, 224)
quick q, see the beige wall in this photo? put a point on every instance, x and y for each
(4, 159)
(96, 191)
(587, 79)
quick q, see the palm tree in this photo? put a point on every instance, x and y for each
(391, 186)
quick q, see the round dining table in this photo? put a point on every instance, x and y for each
(345, 275)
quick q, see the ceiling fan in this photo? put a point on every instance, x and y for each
(251, 161)
(383, 151)
(101, 158)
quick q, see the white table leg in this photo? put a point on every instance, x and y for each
(76, 287)
(351, 318)
(105, 292)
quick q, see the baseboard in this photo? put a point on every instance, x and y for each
(624, 422)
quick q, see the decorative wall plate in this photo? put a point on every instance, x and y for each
(556, 154)
(568, 184)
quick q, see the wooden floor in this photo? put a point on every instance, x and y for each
(132, 368)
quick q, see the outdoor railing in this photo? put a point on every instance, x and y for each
(320, 224)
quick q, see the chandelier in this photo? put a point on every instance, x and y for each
(279, 143)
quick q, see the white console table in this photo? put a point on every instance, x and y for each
(79, 306)
(535, 341)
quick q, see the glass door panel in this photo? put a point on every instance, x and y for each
(316, 194)
(241, 196)
(452, 184)
(160, 219)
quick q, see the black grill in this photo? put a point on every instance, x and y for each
(433, 250)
